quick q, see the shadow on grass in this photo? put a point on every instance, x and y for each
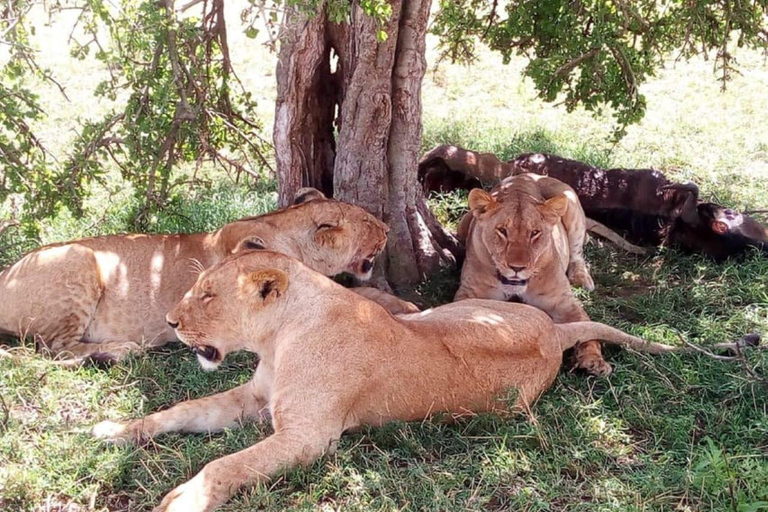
(663, 433)
(507, 143)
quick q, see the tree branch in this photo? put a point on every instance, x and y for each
(6, 224)
(626, 71)
(630, 11)
(573, 63)
(751, 341)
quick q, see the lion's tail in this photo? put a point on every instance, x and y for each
(573, 333)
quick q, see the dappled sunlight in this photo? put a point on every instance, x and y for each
(54, 256)
(156, 269)
(113, 270)
(608, 434)
(501, 459)
(489, 319)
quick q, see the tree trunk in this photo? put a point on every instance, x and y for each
(305, 108)
(378, 95)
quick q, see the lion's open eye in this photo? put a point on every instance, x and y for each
(535, 234)
(502, 231)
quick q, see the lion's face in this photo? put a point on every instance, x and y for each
(328, 236)
(345, 238)
(516, 232)
(230, 301)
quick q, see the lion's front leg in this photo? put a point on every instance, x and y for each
(209, 414)
(576, 231)
(222, 478)
(102, 352)
(574, 222)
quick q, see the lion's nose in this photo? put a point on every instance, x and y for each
(516, 269)
(171, 322)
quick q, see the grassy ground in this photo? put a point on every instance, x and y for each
(665, 433)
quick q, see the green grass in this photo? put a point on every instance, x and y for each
(662, 433)
(668, 433)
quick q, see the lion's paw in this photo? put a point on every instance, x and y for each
(578, 275)
(595, 365)
(188, 497)
(115, 432)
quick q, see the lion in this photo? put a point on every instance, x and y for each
(342, 363)
(524, 241)
(104, 297)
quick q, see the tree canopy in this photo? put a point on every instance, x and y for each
(185, 103)
(597, 53)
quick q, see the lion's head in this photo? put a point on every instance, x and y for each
(516, 232)
(242, 296)
(326, 235)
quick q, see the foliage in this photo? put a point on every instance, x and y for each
(23, 159)
(184, 105)
(597, 53)
(181, 106)
(268, 12)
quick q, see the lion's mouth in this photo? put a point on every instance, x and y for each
(207, 352)
(514, 281)
(364, 268)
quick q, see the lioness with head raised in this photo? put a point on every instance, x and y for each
(342, 363)
(524, 241)
(109, 295)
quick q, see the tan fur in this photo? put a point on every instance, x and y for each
(109, 295)
(331, 360)
(394, 305)
(502, 243)
(486, 167)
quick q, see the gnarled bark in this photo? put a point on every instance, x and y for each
(305, 109)
(378, 86)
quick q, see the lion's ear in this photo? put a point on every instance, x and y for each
(307, 194)
(249, 244)
(328, 234)
(553, 209)
(480, 200)
(265, 285)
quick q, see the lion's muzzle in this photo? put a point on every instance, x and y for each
(207, 352)
(515, 281)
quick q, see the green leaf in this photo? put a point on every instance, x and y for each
(251, 32)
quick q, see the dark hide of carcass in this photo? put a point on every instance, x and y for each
(642, 203)
(720, 233)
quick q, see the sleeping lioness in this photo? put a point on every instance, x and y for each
(343, 362)
(109, 295)
(524, 242)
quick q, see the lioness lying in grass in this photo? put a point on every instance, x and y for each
(331, 360)
(107, 296)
